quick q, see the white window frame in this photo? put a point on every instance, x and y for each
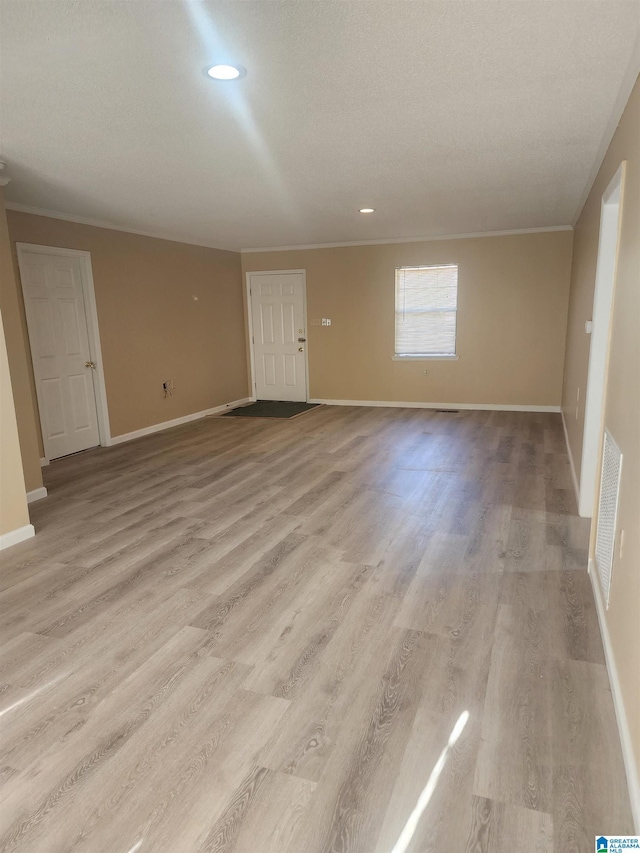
(423, 356)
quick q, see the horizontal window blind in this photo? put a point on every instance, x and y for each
(426, 307)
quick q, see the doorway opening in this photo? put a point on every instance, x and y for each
(610, 217)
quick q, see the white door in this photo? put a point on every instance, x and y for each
(278, 327)
(62, 362)
(600, 343)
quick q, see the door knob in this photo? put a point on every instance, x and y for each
(301, 340)
(300, 349)
(90, 364)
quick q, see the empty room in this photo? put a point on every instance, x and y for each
(319, 426)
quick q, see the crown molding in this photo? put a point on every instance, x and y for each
(624, 93)
(157, 235)
(96, 223)
(435, 238)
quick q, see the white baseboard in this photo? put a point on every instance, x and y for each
(15, 536)
(630, 766)
(36, 495)
(574, 477)
(140, 433)
(394, 404)
(44, 461)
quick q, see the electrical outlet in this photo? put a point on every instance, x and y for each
(426, 371)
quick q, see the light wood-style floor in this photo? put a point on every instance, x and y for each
(362, 630)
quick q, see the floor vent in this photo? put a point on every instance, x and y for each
(607, 512)
(448, 411)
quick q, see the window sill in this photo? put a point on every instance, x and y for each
(425, 358)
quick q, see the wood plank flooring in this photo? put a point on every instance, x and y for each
(360, 631)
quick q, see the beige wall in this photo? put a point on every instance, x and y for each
(622, 408)
(513, 293)
(19, 361)
(14, 513)
(151, 327)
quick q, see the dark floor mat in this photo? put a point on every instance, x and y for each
(271, 409)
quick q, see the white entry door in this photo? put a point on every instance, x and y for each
(277, 307)
(62, 361)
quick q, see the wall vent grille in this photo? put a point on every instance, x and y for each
(607, 512)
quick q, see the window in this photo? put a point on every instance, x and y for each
(426, 307)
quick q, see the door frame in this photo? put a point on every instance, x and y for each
(93, 331)
(252, 365)
(602, 316)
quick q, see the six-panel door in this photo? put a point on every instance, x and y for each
(54, 304)
(279, 335)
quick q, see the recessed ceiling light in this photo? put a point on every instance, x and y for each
(226, 72)
(367, 210)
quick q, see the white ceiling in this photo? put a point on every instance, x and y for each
(448, 117)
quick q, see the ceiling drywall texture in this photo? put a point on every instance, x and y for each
(447, 117)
